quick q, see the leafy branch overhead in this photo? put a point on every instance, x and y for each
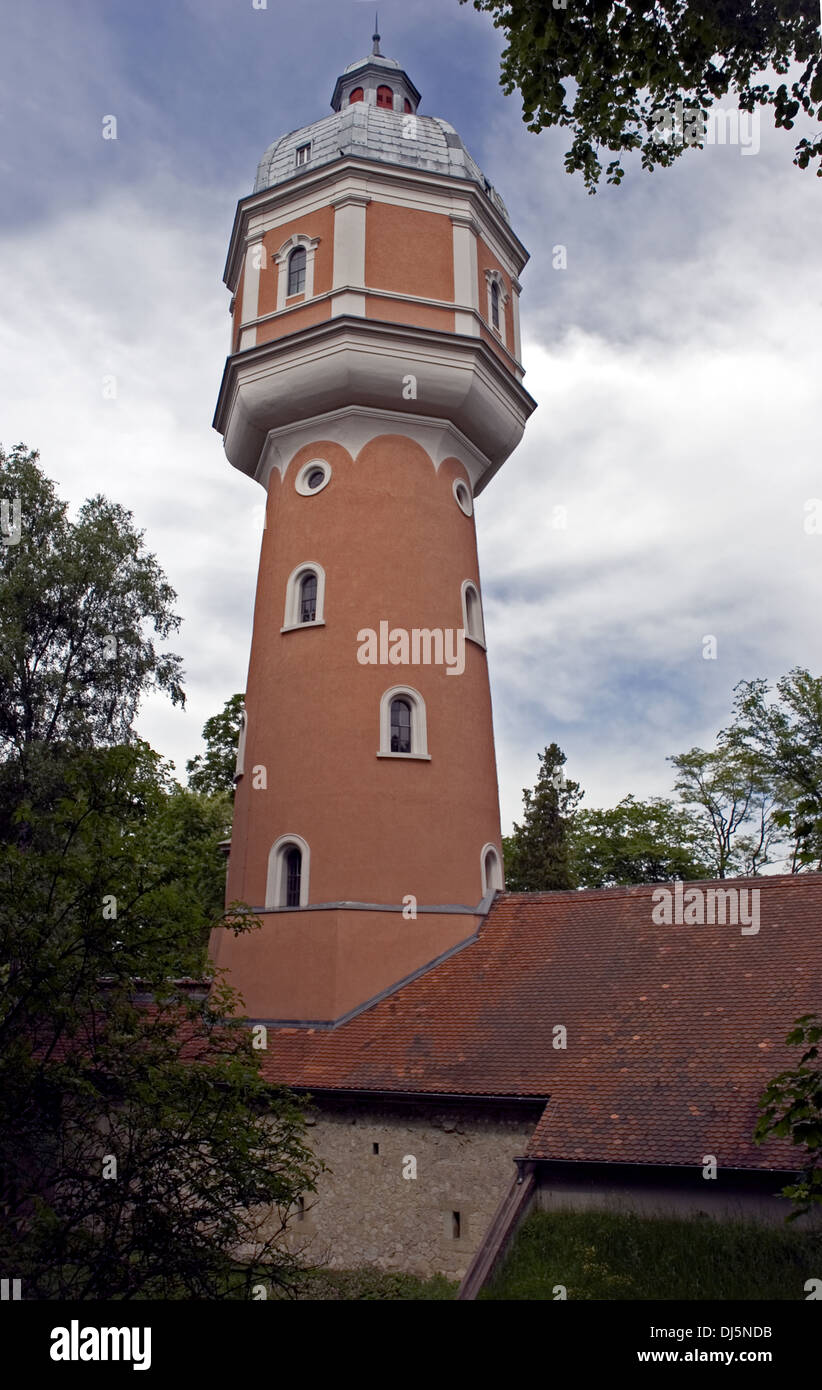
(609, 71)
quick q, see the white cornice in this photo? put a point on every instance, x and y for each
(492, 225)
(350, 361)
(354, 426)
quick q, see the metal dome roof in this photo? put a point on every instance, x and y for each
(374, 133)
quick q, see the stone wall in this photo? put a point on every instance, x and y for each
(410, 1187)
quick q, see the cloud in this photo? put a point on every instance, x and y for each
(675, 364)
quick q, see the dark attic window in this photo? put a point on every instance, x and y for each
(375, 1148)
(456, 1225)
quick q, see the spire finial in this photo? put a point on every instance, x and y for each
(376, 36)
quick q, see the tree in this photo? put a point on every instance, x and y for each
(784, 737)
(639, 842)
(212, 772)
(730, 788)
(537, 854)
(76, 600)
(791, 1106)
(643, 73)
(140, 1153)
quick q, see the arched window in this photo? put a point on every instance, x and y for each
(305, 597)
(403, 728)
(288, 865)
(293, 872)
(407, 108)
(472, 613)
(357, 95)
(497, 299)
(296, 271)
(385, 98)
(308, 598)
(492, 881)
(295, 267)
(401, 725)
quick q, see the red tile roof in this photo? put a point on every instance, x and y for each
(672, 1031)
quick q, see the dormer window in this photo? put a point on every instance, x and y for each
(357, 95)
(385, 98)
(407, 108)
(303, 154)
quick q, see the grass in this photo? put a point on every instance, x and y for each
(619, 1256)
(374, 1284)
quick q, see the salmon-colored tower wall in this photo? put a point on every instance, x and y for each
(385, 374)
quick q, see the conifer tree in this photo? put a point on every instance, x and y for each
(538, 854)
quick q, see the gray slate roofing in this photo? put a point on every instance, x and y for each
(374, 133)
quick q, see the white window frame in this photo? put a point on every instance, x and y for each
(301, 480)
(471, 636)
(460, 486)
(275, 884)
(486, 886)
(304, 149)
(281, 261)
(493, 277)
(291, 617)
(419, 724)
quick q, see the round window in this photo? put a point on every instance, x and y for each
(313, 477)
(463, 497)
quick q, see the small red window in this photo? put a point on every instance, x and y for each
(407, 107)
(357, 95)
(385, 97)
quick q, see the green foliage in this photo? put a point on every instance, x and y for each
(620, 1256)
(791, 1107)
(101, 908)
(76, 600)
(729, 787)
(372, 1285)
(606, 71)
(638, 842)
(212, 772)
(783, 737)
(140, 1153)
(537, 854)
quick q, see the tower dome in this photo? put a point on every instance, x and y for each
(372, 101)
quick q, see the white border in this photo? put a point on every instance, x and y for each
(461, 483)
(291, 616)
(419, 724)
(487, 887)
(472, 637)
(301, 480)
(274, 878)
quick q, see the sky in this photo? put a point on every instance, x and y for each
(675, 363)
